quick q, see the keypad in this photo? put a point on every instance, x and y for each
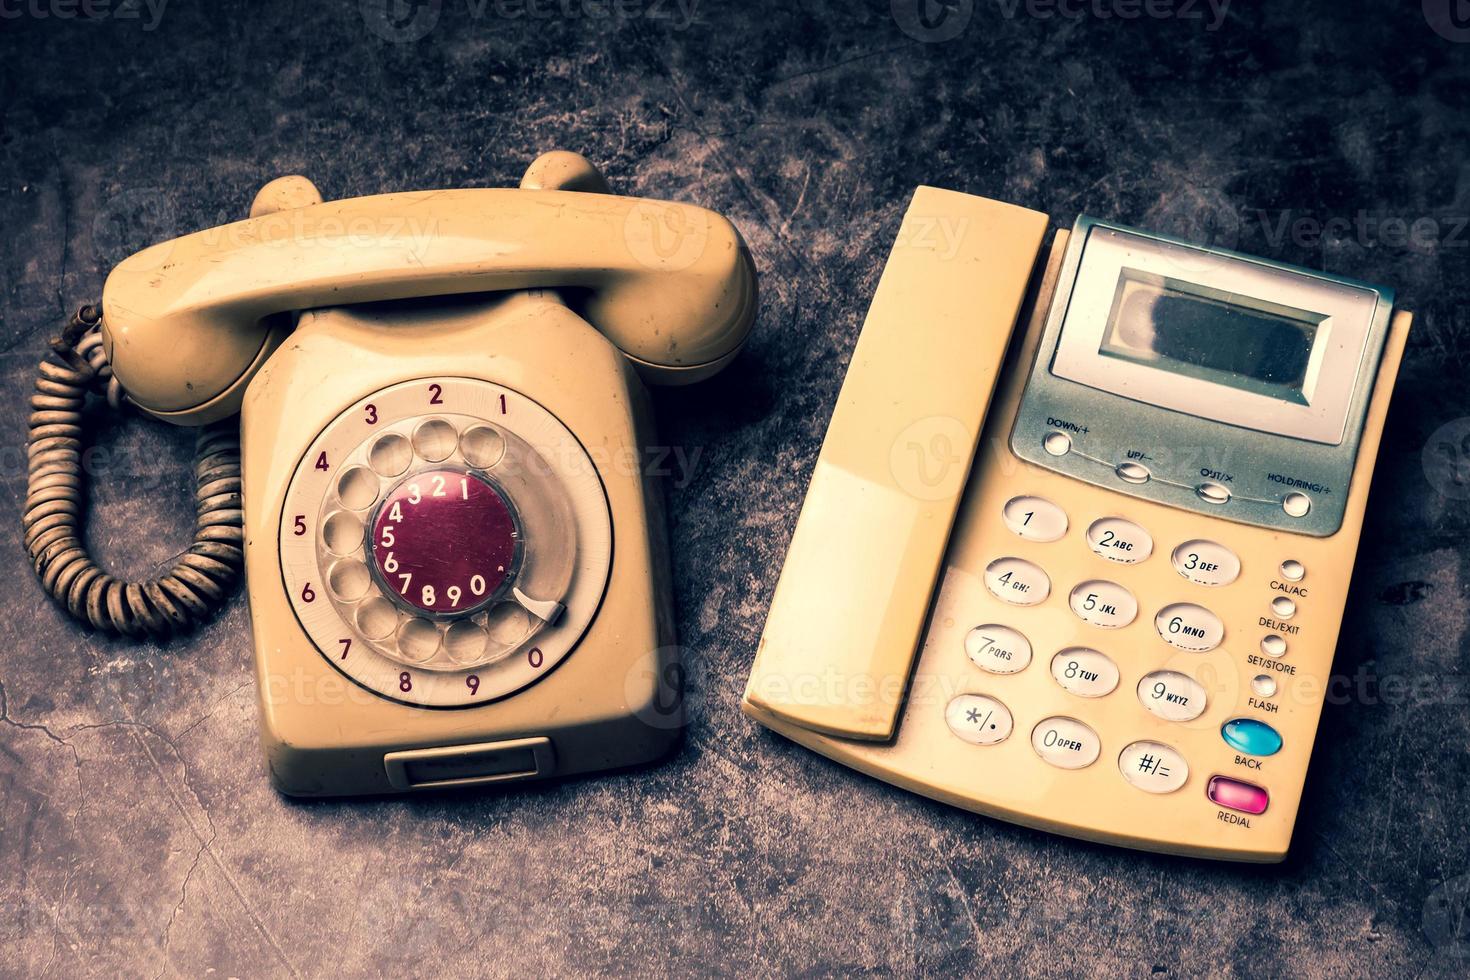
(1206, 563)
(978, 719)
(1171, 695)
(1153, 767)
(1085, 672)
(1189, 627)
(1089, 673)
(1104, 604)
(1035, 518)
(1119, 541)
(1017, 581)
(998, 649)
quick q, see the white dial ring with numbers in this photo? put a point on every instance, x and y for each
(539, 517)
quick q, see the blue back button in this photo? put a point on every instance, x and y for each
(1251, 736)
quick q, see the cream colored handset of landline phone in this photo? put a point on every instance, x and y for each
(455, 556)
(1089, 576)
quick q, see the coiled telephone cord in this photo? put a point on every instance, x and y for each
(197, 582)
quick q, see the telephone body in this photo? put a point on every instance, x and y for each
(456, 563)
(1103, 602)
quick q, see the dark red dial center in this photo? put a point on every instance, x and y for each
(444, 541)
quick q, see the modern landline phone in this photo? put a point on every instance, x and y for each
(1087, 578)
(456, 562)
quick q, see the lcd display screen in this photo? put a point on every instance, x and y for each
(1232, 340)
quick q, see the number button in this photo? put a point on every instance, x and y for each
(978, 719)
(1118, 540)
(1153, 767)
(1085, 673)
(1104, 604)
(1066, 743)
(998, 649)
(1206, 563)
(1035, 518)
(1190, 627)
(1171, 695)
(1017, 581)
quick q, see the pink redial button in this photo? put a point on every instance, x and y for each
(1236, 795)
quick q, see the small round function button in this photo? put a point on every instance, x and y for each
(1273, 645)
(1153, 767)
(998, 649)
(1057, 443)
(1264, 685)
(1131, 472)
(1066, 743)
(978, 719)
(1119, 541)
(1017, 581)
(1206, 563)
(1189, 627)
(1034, 518)
(1212, 493)
(1283, 606)
(1104, 604)
(1293, 570)
(1296, 504)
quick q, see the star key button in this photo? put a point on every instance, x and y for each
(979, 719)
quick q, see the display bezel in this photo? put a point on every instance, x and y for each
(1344, 313)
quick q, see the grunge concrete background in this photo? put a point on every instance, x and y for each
(138, 834)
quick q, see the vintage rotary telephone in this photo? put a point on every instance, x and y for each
(456, 564)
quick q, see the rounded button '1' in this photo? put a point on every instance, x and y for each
(1017, 581)
(1066, 743)
(978, 719)
(1189, 627)
(1118, 540)
(1153, 767)
(1034, 518)
(1104, 604)
(1206, 563)
(998, 649)
(1171, 695)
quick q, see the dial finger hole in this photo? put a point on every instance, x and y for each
(349, 579)
(342, 532)
(390, 455)
(357, 488)
(508, 623)
(482, 446)
(376, 618)
(418, 640)
(434, 440)
(465, 642)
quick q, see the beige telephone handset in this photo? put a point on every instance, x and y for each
(1087, 578)
(455, 557)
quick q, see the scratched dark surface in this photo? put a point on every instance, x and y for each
(138, 834)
